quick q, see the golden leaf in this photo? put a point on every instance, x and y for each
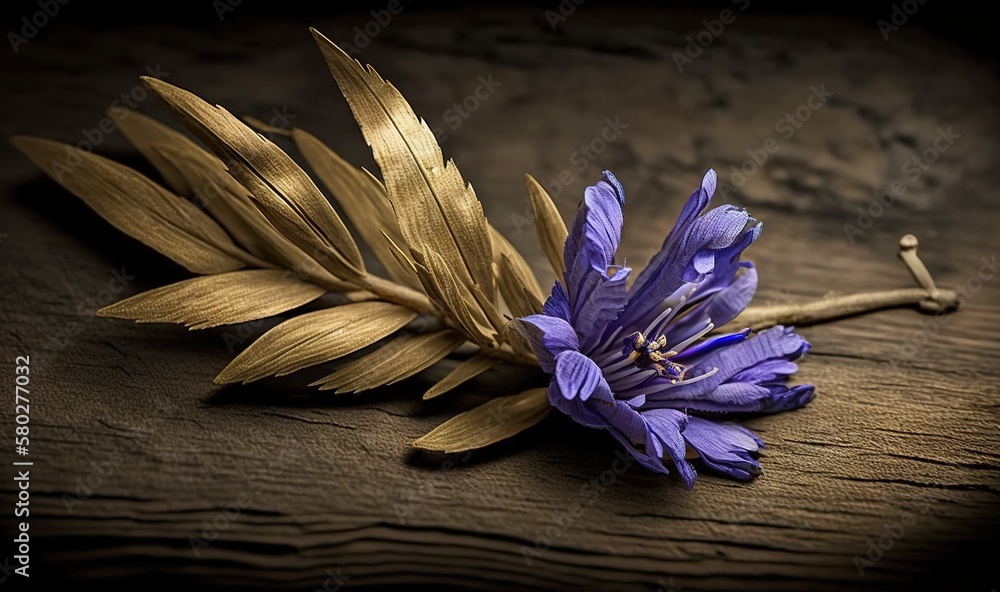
(363, 199)
(521, 299)
(401, 358)
(283, 192)
(493, 421)
(443, 289)
(139, 207)
(211, 187)
(465, 371)
(501, 248)
(222, 299)
(549, 225)
(402, 257)
(314, 338)
(193, 172)
(206, 175)
(146, 134)
(437, 210)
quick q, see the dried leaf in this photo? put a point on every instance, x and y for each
(259, 125)
(402, 358)
(194, 172)
(521, 299)
(363, 199)
(146, 134)
(139, 207)
(491, 422)
(465, 371)
(282, 191)
(212, 188)
(222, 299)
(206, 175)
(314, 338)
(501, 248)
(437, 211)
(549, 225)
(442, 287)
(402, 258)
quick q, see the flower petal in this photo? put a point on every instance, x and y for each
(692, 208)
(693, 250)
(601, 307)
(549, 337)
(579, 377)
(589, 254)
(557, 304)
(575, 408)
(724, 447)
(784, 398)
(776, 343)
(664, 427)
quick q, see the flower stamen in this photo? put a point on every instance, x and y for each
(648, 354)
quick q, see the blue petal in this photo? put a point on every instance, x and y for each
(624, 418)
(603, 305)
(549, 336)
(788, 398)
(575, 408)
(696, 247)
(557, 304)
(695, 204)
(775, 343)
(731, 300)
(579, 377)
(664, 427)
(593, 296)
(724, 448)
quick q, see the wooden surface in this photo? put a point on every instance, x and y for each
(329, 484)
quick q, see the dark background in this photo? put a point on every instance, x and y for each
(880, 439)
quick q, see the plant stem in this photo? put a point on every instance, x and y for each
(417, 302)
(835, 307)
(928, 297)
(397, 293)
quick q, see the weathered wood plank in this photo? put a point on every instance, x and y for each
(330, 483)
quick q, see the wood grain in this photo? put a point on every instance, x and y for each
(328, 485)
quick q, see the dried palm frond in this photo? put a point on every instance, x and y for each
(243, 213)
(265, 240)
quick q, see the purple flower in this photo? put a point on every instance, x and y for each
(639, 361)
